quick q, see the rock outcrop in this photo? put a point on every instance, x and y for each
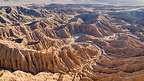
(15, 56)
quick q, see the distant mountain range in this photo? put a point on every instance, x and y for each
(123, 2)
(115, 2)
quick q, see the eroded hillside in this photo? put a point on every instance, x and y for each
(52, 43)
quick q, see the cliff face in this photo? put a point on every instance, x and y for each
(66, 59)
(50, 45)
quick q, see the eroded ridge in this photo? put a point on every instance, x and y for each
(71, 44)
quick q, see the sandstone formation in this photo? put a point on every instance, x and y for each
(67, 43)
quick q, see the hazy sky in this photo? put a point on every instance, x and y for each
(18, 2)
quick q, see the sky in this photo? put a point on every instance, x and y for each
(122, 2)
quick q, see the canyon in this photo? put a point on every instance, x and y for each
(71, 42)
